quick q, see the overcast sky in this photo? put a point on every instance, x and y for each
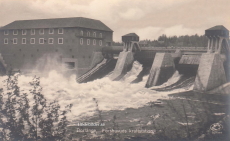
(148, 18)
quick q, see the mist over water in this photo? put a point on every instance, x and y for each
(111, 95)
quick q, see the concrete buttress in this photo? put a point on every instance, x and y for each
(124, 64)
(162, 69)
(211, 73)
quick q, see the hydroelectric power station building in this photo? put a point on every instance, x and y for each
(71, 41)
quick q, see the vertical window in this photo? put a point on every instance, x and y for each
(81, 33)
(23, 40)
(94, 34)
(60, 31)
(32, 40)
(51, 31)
(6, 32)
(6, 41)
(32, 32)
(88, 41)
(24, 32)
(41, 31)
(81, 41)
(51, 40)
(100, 35)
(15, 40)
(41, 40)
(15, 32)
(94, 42)
(100, 43)
(88, 33)
(60, 40)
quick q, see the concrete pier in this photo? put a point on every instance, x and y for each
(162, 69)
(124, 64)
(211, 73)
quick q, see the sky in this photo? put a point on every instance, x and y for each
(147, 18)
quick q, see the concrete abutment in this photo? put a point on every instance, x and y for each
(97, 58)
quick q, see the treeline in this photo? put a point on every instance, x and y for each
(185, 41)
(175, 41)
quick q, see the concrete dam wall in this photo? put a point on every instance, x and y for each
(205, 70)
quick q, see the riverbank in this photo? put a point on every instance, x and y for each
(184, 116)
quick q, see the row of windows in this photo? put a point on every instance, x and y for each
(32, 31)
(34, 55)
(50, 41)
(51, 31)
(32, 41)
(94, 34)
(88, 42)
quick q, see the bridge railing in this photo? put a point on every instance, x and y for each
(117, 49)
(175, 48)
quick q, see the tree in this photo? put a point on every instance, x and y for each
(21, 121)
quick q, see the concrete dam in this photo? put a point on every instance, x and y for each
(206, 67)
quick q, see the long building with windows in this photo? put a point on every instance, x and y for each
(26, 43)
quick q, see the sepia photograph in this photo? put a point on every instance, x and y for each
(114, 70)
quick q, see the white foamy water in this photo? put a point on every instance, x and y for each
(175, 77)
(111, 95)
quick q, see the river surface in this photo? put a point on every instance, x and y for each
(111, 95)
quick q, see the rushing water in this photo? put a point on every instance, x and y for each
(111, 95)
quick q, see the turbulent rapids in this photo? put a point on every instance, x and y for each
(111, 95)
(183, 82)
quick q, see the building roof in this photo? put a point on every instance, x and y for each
(58, 23)
(218, 27)
(131, 34)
